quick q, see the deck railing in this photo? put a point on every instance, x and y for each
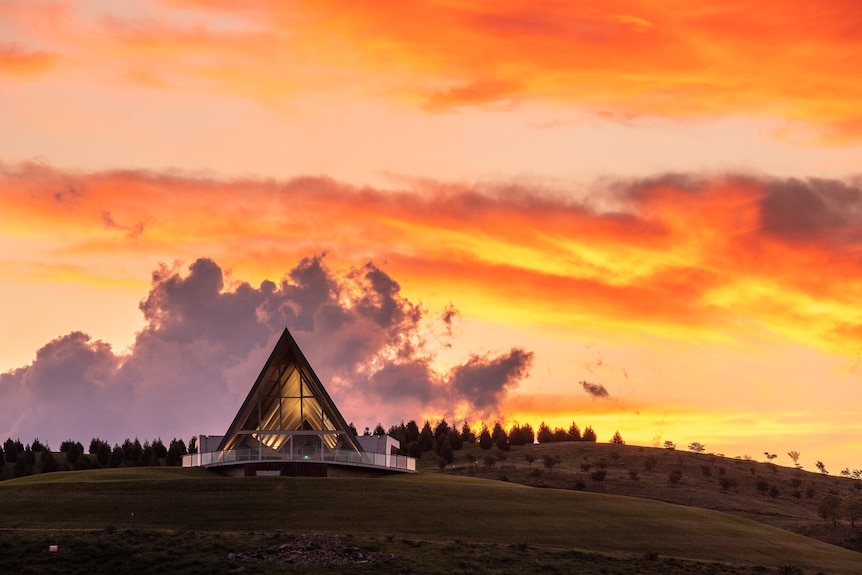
(338, 456)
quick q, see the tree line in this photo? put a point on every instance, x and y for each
(37, 457)
(444, 439)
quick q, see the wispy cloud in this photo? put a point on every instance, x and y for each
(792, 60)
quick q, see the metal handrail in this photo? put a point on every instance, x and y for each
(339, 456)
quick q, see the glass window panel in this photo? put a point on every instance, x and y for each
(290, 386)
(291, 416)
(269, 413)
(311, 413)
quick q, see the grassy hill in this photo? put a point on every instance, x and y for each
(780, 496)
(189, 521)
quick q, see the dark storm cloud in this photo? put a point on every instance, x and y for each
(203, 345)
(482, 381)
(811, 209)
(595, 390)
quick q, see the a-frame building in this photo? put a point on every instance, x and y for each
(289, 425)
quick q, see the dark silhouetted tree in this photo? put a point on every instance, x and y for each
(37, 445)
(411, 431)
(176, 450)
(49, 464)
(819, 465)
(574, 432)
(426, 438)
(485, 441)
(561, 434)
(379, 429)
(117, 456)
(500, 437)
(13, 449)
(467, 435)
(399, 432)
(617, 438)
(73, 450)
(455, 440)
(551, 461)
(829, 508)
(589, 434)
(445, 450)
(160, 452)
(441, 429)
(852, 509)
(193, 442)
(544, 435)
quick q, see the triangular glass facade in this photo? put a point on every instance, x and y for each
(288, 411)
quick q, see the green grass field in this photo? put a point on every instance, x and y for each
(187, 521)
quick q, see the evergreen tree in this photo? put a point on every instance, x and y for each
(441, 429)
(467, 435)
(176, 450)
(445, 450)
(500, 437)
(545, 434)
(485, 440)
(412, 431)
(379, 429)
(617, 438)
(455, 440)
(11, 449)
(589, 434)
(49, 464)
(426, 438)
(117, 456)
(160, 452)
(574, 432)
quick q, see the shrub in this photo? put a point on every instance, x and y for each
(579, 485)
(674, 476)
(550, 461)
(634, 475)
(650, 463)
(727, 483)
(598, 475)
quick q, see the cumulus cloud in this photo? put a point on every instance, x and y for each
(595, 390)
(203, 345)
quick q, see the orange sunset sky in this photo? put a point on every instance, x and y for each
(460, 209)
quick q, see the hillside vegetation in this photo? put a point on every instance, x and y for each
(780, 496)
(188, 521)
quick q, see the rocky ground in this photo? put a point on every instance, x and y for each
(311, 550)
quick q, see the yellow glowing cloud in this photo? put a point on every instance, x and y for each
(679, 257)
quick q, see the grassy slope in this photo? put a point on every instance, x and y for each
(427, 506)
(699, 487)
